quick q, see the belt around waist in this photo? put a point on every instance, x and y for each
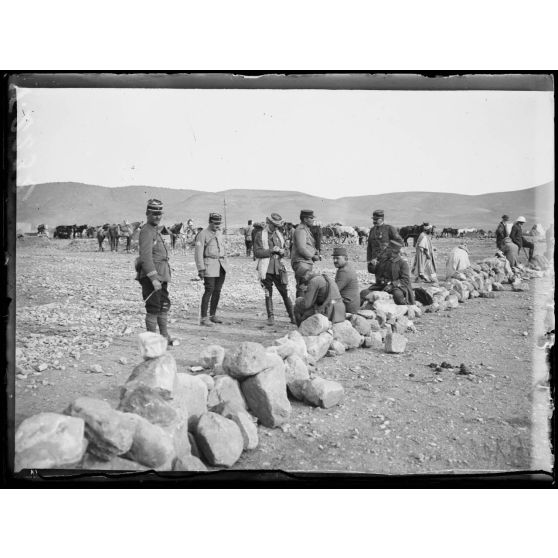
(215, 257)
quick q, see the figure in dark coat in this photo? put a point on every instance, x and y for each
(518, 239)
(393, 276)
(304, 252)
(378, 239)
(346, 280)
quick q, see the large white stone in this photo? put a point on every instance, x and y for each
(151, 445)
(345, 333)
(151, 344)
(247, 426)
(219, 439)
(212, 356)
(318, 345)
(323, 393)
(266, 395)
(395, 343)
(296, 373)
(295, 345)
(226, 391)
(361, 324)
(49, 441)
(190, 397)
(314, 325)
(157, 373)
(109, 432)
(246, 359)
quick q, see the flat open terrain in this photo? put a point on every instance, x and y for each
(77, 307)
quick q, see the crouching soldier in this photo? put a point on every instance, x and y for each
(393, 276)
(320, 296)
(154, 272)
(269, 250)
(211, 262)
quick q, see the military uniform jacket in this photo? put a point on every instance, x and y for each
(153, 254)
(210, 253)
(347, 283)
(304, 245)
(517, 235)
(396, 270)
(378, 240)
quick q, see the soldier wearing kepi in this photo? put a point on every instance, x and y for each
(303, 252)
(378, 239)
(154, 272)
(269, 250)
(211, 262)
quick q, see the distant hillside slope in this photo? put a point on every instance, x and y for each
(70, 202)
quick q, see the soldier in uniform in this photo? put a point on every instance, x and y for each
(211, 262)
(303, 252)
(346, 279)
(154, 273)
(248, 238)
(378, 239)
(269, 250)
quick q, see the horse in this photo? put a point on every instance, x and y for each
(102, 233)
(114, 236)
(127, 231)
(177, 230)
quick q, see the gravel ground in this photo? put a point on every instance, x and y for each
(77, 307)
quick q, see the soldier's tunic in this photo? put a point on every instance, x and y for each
(347, 283)
(321, 297)
(394, 271)
(302, 251)
(378, 240)
(154, 261)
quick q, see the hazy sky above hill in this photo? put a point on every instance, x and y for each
(325, 143)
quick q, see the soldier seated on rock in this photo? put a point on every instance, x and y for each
(393, 276)
(346, 279)
(321, 296)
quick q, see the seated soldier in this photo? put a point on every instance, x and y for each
(393, 276)
(346, 279)
(320, 296)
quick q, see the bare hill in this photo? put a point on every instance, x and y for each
(70, 202)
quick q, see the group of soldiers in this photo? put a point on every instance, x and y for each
(315, 292)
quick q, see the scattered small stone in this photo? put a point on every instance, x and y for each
(123, 360)
(42, 367)
(96, 369)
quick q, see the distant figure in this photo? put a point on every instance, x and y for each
(503, 231)
(346, 280)
(303, 252)
(378, 239)
(320, 296)
(211, 262)
(248, 238)
(517, 237)
(511, 251)
(458, 260)
(424, 266)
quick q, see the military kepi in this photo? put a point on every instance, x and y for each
(155, 206)
(215, 218)
(306, 213)
(340, 251)
(378, 213)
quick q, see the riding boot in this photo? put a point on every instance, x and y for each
(289, 307)
(151, 322)
(269, 308)
(162, 320)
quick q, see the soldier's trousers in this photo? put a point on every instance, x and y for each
(212, 293)
(159, 301)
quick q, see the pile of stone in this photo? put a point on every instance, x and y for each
(166, 420)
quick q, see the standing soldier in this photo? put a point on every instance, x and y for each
(211, 262)
(154, 272)
(503, 230)
(269, 250)
(303, 252)
(248, 238)
(378, 239)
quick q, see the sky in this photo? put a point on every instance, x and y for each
(325, 143)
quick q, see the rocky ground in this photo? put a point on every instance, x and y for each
(79, 312)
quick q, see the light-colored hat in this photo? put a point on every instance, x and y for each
(275, 219)
(521, 219)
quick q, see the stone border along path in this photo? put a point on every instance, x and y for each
(171, 420)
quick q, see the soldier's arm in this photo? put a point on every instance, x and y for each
(393, 234)
(405, 277)
(198, 251)
(341, 279)
(259, 250)
(300, 243)
(146, 239)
